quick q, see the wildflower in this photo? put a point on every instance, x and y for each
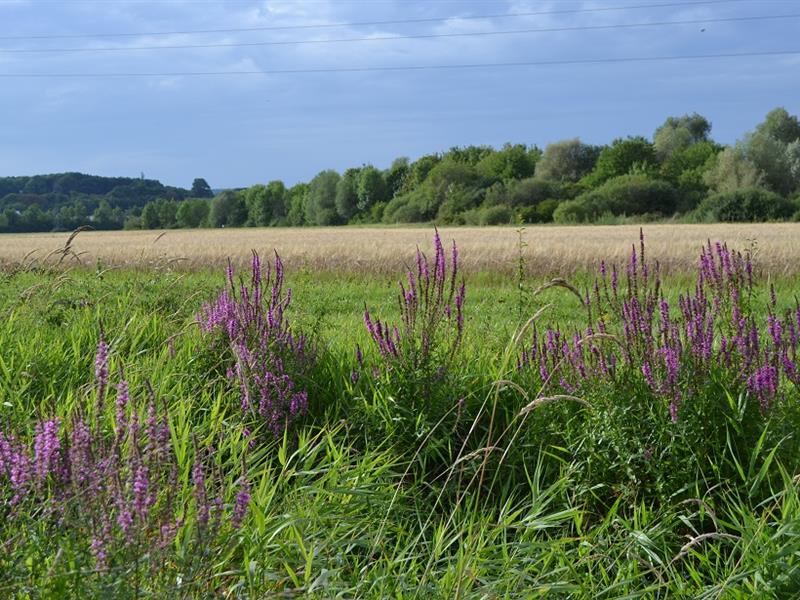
(242, 503)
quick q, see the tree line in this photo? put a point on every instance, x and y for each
(681, 172)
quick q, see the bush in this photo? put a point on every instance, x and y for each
(530, 192)
(625, 195)
(496, 215)
(746, 205)
(541, 213)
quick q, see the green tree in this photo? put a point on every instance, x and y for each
(771, 157)
(347, 194)
(418, 171)
(685, 169)
(371, 187)
(193, 213)
(103, 216)
(34, 218)
(396, 174)
(732, 170)
(201, 189)
(150, 216)
(228, 210)
(620, 158)
(167, 213)
(296, 201)
(321, 206)
(780, 125)
(514, 161)
(266, 204)
(678, 133)
(567, 160)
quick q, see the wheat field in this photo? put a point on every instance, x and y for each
(546, 249)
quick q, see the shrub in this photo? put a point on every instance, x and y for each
(541, 213)
(625, 195)
(746, 205)
(496, 215)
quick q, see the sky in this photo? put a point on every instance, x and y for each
(265, 123)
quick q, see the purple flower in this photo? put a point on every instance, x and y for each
(123, 399)
(101, 371)
(46, 449)
(200, 492)
(242, 503)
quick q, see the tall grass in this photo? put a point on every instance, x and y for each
(482, 457)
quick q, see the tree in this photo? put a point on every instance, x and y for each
(514, 161)
(396, 174)
(103, 217)
(620, 158)
(678, 133)
(685, 170)
(228, 210)
(193, 212)
(771, 157)
(418, 172)
(568, 160)
(296, 201)
(150, 216)
(771, 148)
(266, 204)
(167, 213)
(780, 125)
(321, 206)
(532, 191)
(34, 218)
(371, 187)
(731, 171)
(201, 189)
(347, 194)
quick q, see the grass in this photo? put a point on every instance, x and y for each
(362, 500)
(551, 250)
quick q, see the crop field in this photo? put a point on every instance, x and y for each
(572, 412)
(550, 250)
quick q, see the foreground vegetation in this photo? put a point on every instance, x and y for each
(615, 435)
(680, 173)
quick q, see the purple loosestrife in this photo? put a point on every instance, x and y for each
(269, 359)
(200, 491)
(431, 303)
(101, 372)
(117, 498)
(241, 504)
(46, 447)
(676, 350)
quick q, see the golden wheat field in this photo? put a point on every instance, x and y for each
(546, 249)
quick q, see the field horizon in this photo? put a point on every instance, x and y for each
(545, 249)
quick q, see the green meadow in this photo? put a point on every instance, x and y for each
(453, 472)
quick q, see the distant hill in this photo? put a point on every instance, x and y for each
(50, 192)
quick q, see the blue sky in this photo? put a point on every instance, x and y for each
(236, 130)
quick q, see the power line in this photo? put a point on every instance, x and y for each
(371, 23)
(404, 37)
(536, 63)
